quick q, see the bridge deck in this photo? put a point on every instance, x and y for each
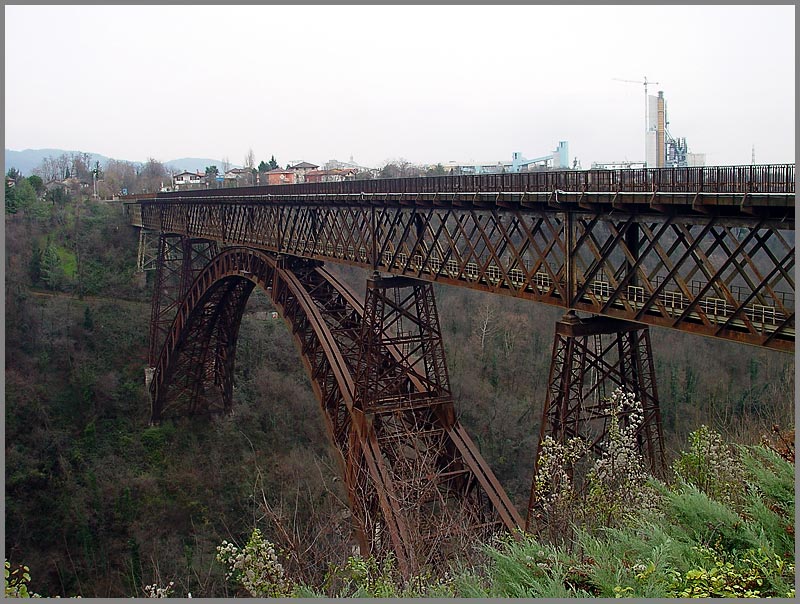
(706, 250)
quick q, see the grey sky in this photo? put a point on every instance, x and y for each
(427, 84)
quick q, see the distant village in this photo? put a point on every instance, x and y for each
(78, 173)
(335, 171)
(300, 172)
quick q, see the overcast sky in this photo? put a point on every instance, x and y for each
(427, 84)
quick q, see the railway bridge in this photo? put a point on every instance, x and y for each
(704, 250)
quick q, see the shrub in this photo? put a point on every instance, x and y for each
(555, 499)
(617, 482)
(711, 465)
(17, 582)
(754, 574)
(256, 567)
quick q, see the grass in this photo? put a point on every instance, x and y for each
(68, 260)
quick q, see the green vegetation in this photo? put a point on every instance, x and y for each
(689, 544)
(100, 504)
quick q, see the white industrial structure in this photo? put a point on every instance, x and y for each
(558, 159)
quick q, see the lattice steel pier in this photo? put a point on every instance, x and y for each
(591, 358)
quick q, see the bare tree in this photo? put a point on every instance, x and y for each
(250, 159)
(486, 323)
(48, 170)
(250, 166)
(152, 176)
(399, 168)
(62, 166)
(118, 176)
(81, 165)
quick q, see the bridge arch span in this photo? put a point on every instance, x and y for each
(194, 373)
(194, 376)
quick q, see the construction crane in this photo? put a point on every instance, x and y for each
(646, 120)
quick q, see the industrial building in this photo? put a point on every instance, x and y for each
(663, 150)
(558, 159)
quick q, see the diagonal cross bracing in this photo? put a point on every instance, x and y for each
(691, 254)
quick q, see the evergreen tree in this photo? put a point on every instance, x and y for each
(25, 199)
(11, 200)
(37, 183)
(88, 320)
(35, 265)
(51, 270)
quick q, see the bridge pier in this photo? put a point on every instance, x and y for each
(180, 259)
(591, 358)
(442, 497)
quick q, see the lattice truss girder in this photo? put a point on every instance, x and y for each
(712, 277)
(385, 454)
(724, 277)
(147, 253)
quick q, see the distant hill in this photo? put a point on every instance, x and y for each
(25, 161)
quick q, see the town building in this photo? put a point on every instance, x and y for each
(185, 179)
(617, 165)
(279, 176)
(238, 177)
(335, 164)
(301, 169)
(330, 175)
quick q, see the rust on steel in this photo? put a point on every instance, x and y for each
(417, 485)
(591, 358)
(703, 250)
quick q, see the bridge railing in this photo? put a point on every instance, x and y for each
(739, 180)
(712, 179)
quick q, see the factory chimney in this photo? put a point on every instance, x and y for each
(661, 152)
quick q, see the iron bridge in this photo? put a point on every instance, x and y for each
(703, 250)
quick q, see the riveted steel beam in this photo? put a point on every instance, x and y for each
(726, 274)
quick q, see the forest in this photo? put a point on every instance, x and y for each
(101, 504)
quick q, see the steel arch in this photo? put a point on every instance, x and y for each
(194, 376)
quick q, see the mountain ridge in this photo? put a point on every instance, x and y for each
(29, 159)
